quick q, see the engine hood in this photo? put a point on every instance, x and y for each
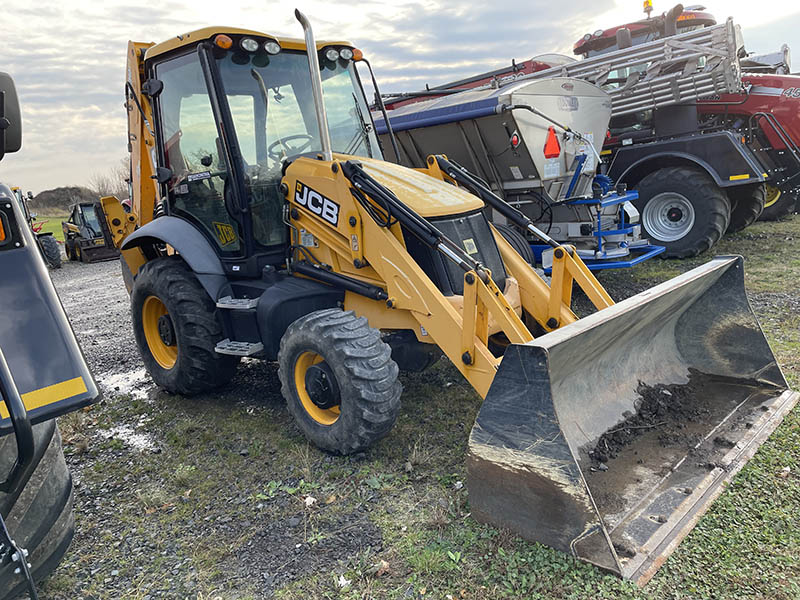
(425, 195)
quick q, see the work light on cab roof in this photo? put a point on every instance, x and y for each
(248, 44)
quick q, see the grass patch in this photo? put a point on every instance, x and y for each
(52, 225)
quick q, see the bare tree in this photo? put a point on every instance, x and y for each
(114, 182)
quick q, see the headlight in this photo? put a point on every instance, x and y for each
(272, 47)
(249, 44)
(332, 54)
(346, 53)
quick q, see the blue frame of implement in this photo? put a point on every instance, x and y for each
(638, 253)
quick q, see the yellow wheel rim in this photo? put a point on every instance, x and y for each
(323, 416)
(152, 310)
(773, 194)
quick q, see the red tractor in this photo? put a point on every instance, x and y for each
(767, 114)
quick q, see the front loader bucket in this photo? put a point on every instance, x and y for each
(608, 438)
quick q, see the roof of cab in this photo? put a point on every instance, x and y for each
(186, 39)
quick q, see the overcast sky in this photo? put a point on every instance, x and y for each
(68, 57)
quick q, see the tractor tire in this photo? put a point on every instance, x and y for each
(517, 241)
(683, 210)
(747, 203)
(38, 513)
(176, 329)
(51, 251)
(341, 362)
(778, 204)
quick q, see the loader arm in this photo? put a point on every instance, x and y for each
(377, 254)
(141, 136)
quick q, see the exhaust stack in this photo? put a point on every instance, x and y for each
(316, 86)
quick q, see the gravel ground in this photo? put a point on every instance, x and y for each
(96, 302)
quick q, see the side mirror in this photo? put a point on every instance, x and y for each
(10, 117)
(30, 195)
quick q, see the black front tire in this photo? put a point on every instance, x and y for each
(748, 204)
(691, 188)
(364, 373)
(51, 251)
(38, 512)
(517, 241)
(195, 366)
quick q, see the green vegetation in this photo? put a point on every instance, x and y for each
(53, 224)
(231, 502)
(58, 200)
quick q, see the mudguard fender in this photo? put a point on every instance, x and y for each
(192, 246)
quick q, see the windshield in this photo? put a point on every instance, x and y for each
(273, 107)
(90, 218)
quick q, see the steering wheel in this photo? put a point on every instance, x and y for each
(283, 143)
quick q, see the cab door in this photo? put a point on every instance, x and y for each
(198, 189)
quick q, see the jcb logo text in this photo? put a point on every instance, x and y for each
(316, 203)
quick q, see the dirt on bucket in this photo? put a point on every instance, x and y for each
(665, 408)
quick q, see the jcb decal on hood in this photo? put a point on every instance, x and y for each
(316, 203)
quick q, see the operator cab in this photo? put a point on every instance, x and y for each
(646, 30)
(233, 110)
(639, 125)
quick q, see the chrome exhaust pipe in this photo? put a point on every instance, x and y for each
(316, 86)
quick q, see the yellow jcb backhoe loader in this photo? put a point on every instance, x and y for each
(265, 223)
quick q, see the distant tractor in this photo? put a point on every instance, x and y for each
(86, 235)
(48, 244)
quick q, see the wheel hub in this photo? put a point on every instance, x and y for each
(166, 330)
(668, 216)
(674, 214)
(321, 386)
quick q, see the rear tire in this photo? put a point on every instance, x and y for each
(51, 251)
(518, 242)
(778, 204)
(682, 209)
(38, 512)
(748, 204)
(176, 329)
(360, 405)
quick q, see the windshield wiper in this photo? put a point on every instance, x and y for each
(363, 134)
